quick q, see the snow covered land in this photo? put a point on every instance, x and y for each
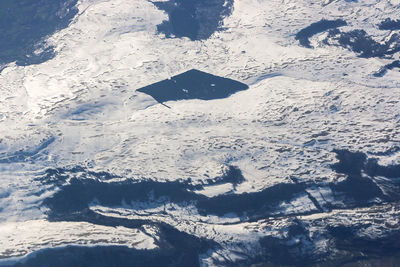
(300, 166)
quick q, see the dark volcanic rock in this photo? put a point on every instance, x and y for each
(193, 84)
(195, 19)
(353, 163)
(389, 24)
(363, 44)
(360, 185)
(350, 163)
(358, 41)
(359, 189)
(285, 252)
(317, 27)
(255, 205)
(24, 24)
(384, 69)
(176, 249)
(356, 186)
(366, 183)
(75, 197)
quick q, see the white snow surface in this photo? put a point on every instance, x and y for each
(20, 239)
(81, 109)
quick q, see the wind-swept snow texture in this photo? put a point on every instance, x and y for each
(277, 141)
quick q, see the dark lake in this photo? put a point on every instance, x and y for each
(193, 84)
